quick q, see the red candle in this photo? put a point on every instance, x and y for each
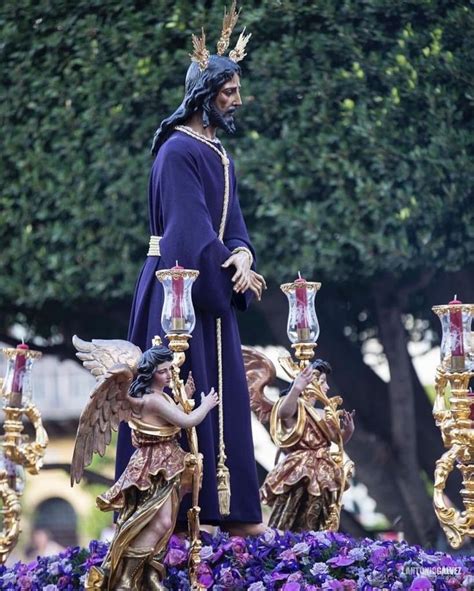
(301, 293)
(177, 296)
(18, 375)
(456, 332)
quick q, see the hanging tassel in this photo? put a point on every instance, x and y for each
(223, 488)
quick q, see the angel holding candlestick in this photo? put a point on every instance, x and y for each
(305, 488)
(147, 495)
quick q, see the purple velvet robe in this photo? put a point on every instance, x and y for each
(186, 192)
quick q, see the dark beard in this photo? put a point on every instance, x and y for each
(225, 122)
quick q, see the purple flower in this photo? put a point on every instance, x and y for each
(333, 585)
(421, 584)
(204, 575)
(178, 542)
(25, 583)
(292, 586)
(175, 556)
(378, 556)
(228, 577)
(341, 560)
(295, 577)
(257, 587)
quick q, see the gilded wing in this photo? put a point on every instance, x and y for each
(99, 355)
(260, 372)
(108, 405)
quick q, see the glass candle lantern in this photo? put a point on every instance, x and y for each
(17, 385)
(177, 316)
(303, 325)
(457, 354)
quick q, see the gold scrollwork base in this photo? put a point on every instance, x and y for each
(456, 525)
(11, 508)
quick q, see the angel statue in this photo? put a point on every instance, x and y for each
(305, 488)
(131, 387)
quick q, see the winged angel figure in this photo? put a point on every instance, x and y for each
(130, 387)
(305, 488)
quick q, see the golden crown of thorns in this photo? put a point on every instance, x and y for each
(201, 54)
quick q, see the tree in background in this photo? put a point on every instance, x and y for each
(355, 159)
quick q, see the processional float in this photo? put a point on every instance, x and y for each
(453, 411)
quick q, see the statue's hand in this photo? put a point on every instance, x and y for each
(257, 284)
(304, 378)
(347, 424)
(190, 386)
(241, 278)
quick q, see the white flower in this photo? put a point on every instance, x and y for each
(206, 552)
(300, 548)
(257, 587)
(356, 554)
(269, 536)
(319, 568)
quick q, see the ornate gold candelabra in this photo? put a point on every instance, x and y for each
(17, 451)
(303, 332)
(453, 412)
(178, 321)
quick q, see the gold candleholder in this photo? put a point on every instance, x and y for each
(179, 344)
(451, 411)
(17, 450)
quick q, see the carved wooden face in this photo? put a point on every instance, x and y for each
(323, 383)
(162, 375)
(227, 101)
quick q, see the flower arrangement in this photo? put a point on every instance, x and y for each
(309, 561)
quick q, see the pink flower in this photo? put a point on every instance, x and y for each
(242, 558)
(295, 577)
(238, 544)
(421, 584)
(287, 555)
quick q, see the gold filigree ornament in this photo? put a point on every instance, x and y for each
(457, 431)
(201, 54)
(17, 452)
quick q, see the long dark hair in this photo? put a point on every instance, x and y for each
(201, 89)
(147, 365)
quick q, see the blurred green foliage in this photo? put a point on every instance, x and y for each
(354, 148)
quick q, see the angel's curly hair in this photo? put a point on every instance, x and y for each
(147, 365)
